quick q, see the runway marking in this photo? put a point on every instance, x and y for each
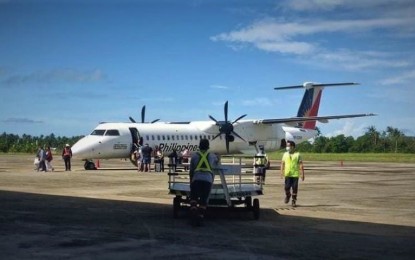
(288, 208)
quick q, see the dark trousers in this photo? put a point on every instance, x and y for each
(67, 163)
(291, 183)
(199, 191)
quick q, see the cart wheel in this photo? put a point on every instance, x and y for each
(176, 207)
(248, 202)
(256, 209)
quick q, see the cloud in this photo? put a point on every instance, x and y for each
(348, 129)
(21, 121)
(57, 75)
(257, 102)
(219, 87)
(405, 78)
(303, 40)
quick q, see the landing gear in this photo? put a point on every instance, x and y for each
(89, 165)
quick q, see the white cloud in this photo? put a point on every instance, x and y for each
(406, 77)
(257, 102)
(348, 129)
(57, 75)
(294, 38)
(219, 87)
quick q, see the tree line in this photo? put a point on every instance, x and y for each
(11, 143)
(372, 141)
(392, 140)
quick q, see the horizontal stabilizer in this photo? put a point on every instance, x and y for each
(308, 85)
(323, 119)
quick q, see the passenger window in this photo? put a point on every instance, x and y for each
(152, 137)
(164, 138)
(148, 138)
(98, 132)
(168, 137)
(191, 137)
(112, 133)
(172, 137)
(158, 137)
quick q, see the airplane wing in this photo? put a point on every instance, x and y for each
(321, 119)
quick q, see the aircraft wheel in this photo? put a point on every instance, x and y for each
(256, 209)
(248, 202)
(89, 165)
(176, 207)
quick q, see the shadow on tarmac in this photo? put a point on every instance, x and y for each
(39, 226)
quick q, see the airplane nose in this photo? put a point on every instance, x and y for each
(82, 149)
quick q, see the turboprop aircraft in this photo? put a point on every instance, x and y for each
(117, 140)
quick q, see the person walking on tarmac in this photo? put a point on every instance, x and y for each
(66, 156)
(291, 165)
(201, 172)
(260, 164)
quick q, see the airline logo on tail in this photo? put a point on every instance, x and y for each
(309, 106)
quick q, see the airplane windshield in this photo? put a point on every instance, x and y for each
(98, 132)
(112, 133)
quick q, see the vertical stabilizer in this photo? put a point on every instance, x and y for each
(309, 106)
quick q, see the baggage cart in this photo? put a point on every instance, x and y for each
(234, 186)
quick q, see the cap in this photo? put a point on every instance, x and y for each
(67, 145)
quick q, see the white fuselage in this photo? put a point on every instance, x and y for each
(115, 140)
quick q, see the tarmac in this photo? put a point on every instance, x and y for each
(345, 210)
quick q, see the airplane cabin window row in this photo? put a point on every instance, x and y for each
(178, 137)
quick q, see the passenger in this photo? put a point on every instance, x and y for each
(49, 158)
(173, 159)
(66, 156)
(291, 164)
(41, 155)
(185, 155)
(139, 158)
(159, 158)
(146, 152)
(202, 167)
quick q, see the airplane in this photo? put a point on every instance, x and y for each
(240, 136)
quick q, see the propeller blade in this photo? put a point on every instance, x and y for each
(233, 132)
(155, 121)
(227, 145)
(211, 117)
(217, 136)
(226, 111)
(239, 118)
(143, 114)
(132, 119)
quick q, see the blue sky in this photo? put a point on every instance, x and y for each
(67, 65)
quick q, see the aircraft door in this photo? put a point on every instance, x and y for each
(135, 137)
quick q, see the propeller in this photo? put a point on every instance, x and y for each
(143, 115)
(226, 127)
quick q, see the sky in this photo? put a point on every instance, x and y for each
(67, 65)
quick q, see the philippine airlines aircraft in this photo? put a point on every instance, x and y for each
(116, 140)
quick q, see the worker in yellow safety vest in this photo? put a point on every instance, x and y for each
(201, 173)
(291, 165)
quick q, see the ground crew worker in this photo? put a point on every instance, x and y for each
(66, 156)
(201, 172)
(291, 165)
(261, 163)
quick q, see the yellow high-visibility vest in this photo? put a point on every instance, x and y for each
(292, 166)
(203, 165)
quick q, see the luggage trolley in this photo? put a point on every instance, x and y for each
(233, 186)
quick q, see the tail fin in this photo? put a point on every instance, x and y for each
(309, 106)
(311, 100)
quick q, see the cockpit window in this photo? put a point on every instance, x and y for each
(98, 132)
(112, 132)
